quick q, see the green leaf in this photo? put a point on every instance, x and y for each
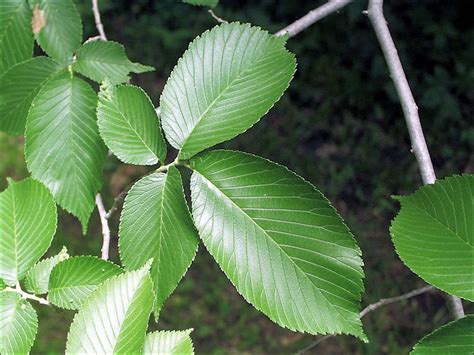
(74, 279)
(100, 60)
(169, 342)
(63, 148)
(16, 38)
(18, 87)
(454, 338)
(115, 317)
(279, 241)
(210, 3)
(129, 125)
(2, 284)
(224, 83)
(37, 278)
(434, 234)
(57, 28)
(156, 223)
(18, 324)
(27, 222)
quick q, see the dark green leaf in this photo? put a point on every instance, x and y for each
(57, 28)
(156, 223)
(63, 147)
(224, 83)
(434, 234)
(455, 338)
(100, 60)
(210, 3)
(279, 241)
(16, 38)
(27, 224)
(129, 125)
(74, 279)
(18, 87)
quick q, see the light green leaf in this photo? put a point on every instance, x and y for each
(454, 338)
(16, 38)
(37, 278)
(156, 223)
(74, 279)
(100, 60)
(18, 324)
(115, 317)
(57, 28)
(63, 147)
(18, 87)
(2, 284)
(279, 241)
(210, 3)
(176, 342)
(129, 125)
(27, 225)
(434, 234)
(224, 83)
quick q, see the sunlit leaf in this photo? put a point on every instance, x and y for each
(115, 316)
(224, 83)
(74, 279)
(100, 60)
(129, 125)
(18, 324)
(434, 234)
(27, 225)
(156, 223)
(279, 241)
(173, 342)
(63, 148)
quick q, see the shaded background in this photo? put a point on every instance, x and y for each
(339, 125)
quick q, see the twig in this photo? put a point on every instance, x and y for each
(312, 17)
(98, 21)
(215, 17)
(26, 295)
(117, 200)
(372, 307)
(105, 226)
(410, 109)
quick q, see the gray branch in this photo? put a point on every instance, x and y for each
(105, 226)
(312, 17)
(98, 21)
(410, 109)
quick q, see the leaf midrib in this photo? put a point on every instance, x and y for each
(211, 105)
(280, 248)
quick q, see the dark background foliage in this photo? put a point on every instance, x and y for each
(339, 125)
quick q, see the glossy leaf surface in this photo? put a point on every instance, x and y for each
(434, 234)
(279, 241)
(454, 338)
(18, 87)
(63, 148)
(16, 38)
(27, 226)
(129, 125)
(115, 317)
(156, 223)
(224, 83)
(74, 279)
(18, 324)
(100, 60)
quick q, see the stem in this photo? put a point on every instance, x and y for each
(98, 21)
(165, 168)
(215, 17)
(26, 295)
(410, 110)
(372, 307)
(105, 226)
(312, 17)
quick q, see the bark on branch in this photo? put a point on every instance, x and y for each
(98, 21)
(105, 226)
(410, 109)
(312, 17)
